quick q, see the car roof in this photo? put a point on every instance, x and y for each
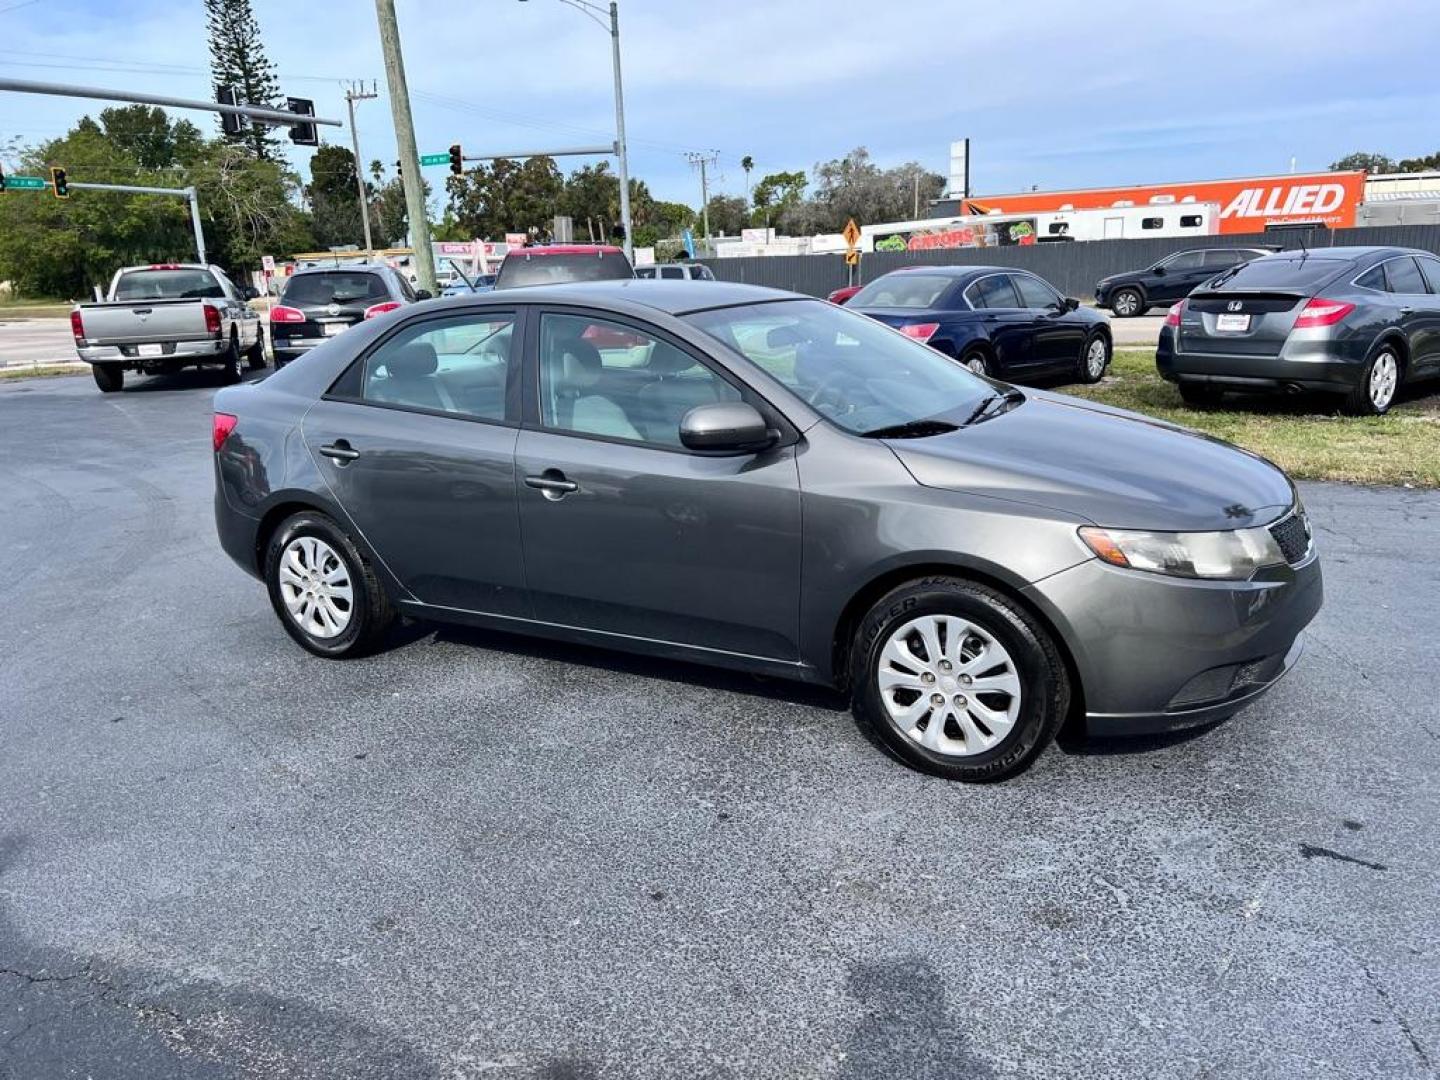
(675, 296)
(567, 249)
(350, 267)
(1344, 254)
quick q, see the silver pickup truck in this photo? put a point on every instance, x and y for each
(165, 317)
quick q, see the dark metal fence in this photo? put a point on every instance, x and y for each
(1072, 268)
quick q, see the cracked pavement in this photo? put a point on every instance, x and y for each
(476, 856)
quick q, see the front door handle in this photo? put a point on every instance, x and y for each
(1407, 311)
(340, 451)
(552, 484)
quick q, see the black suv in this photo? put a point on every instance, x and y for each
(1136, 291)
(319, 302)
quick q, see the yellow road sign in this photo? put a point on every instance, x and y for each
(852, 257)
(851, 233)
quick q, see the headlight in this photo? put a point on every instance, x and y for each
(1232, 555)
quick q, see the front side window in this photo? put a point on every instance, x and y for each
(1431, 268)
(903, 289)
(856, 372)
(699, 272)
(1034, 293)
(1186, 260)
(605, 378)
(458, 365)
(1404, 276)
(994, 291)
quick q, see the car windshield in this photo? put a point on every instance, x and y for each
(1273, 273)
(334, 287)
(903, 290)
(538, 269)
(856, 372)
(168, 285)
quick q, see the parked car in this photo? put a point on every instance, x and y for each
(679, 271)
(1006, 323)
(559, 263)
(1357, 321)
(1137, 291)
(321, 302)
(167, 316)
(478, 283)
(843, 294)
(738, 476)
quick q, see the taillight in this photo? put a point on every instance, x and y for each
(212, 318)
(380, 309)
(286, 314)
(920, 331)
(77, 326)
(221, 426)
(1172, 317)
(1322, 312)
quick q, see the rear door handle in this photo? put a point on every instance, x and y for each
(1407, 311)
(552, 484)
(340, 451)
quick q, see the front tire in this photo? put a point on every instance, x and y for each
(255, 355)
(1379, 382)
(957, 680)
(1127, 303)
(1094, 358)
(110, 378)
(324, 592)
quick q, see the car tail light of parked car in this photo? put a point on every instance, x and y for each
(380, 309)
(77, 326)
(920, 331)
(212, 318)
(221, 426)
(283, 314)
(1172, 317)
(1322, 312)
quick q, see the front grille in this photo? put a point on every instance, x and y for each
(1292, 534)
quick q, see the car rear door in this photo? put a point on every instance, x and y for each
(1426, 357)
(1007, 323)
(1059, 333)
(1418, 312)
(625, 531)
(1182, 273)
(417, 443)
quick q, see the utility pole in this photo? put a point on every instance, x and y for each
(624, 157)
(405, 142)
(700, 161)
(352, 95)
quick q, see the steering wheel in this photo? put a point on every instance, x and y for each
(829, 384)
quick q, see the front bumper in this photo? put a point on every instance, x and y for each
(172, 352)
(1323, 365)
(1158, 653)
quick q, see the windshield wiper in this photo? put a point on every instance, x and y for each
(983, 411)
(911, 429)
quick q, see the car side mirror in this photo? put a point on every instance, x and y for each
(731, 426)
(422, 294)
(1069, 303)
(249, 292)
(1158, 270)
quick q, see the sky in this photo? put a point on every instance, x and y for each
(1051, 94)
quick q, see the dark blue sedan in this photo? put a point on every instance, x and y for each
(996, 321)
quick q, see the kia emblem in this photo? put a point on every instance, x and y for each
(1234, 305)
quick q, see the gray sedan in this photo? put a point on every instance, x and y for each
(737, 476)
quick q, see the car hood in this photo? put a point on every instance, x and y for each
(1108, 466)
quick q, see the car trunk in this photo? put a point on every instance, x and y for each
(1239, 323)
(134, 322)
(331, 301)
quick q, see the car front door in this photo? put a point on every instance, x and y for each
(1416, 285)
(417, 442)
(625, 531)
(1059, 333)
(1008, 325)
(1182, 273)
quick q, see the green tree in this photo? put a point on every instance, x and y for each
(727, 215)
(506, 196)
(389, 213)
(334, 199)
(1420, 164)
(1370, 163)
(147, 134)
(670, 218)
(237, 58)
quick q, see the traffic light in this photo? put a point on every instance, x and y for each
(59, 184)
(230, 123)
(617, 231)
(457, 160)
(303, 134)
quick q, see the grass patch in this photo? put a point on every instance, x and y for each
(12, 308)
(40, 371)
(1306, 436)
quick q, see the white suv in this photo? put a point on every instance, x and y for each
(686, 271)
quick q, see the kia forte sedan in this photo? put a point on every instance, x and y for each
(743, 477)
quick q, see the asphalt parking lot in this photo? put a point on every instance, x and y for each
(475, 856)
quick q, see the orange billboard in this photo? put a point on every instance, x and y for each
(1247, 205)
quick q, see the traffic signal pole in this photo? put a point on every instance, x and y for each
(256, 113)
(136, 189)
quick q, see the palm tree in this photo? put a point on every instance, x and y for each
(747, 163)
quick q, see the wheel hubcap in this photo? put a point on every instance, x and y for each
(1096, 357)
(315, 587)
(976, 365)
(949, 685)
(1384, 376)
(1125, 303)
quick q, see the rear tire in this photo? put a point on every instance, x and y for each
(310, 558)
(255, 355)
(110, 378)
(1200, 396)
(978, 362)
(1379, 382)
(232, 368)
(1094, 358)
(1128, 303)
(984, 734)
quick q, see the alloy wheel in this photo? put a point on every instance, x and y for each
(949, 685)
(977, 365)
(1384, 377)
(1126, 303)
(1095, 358)
(315, 587)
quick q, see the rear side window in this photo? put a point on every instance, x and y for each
(1374, 278)
(699, 272)
(1403, 276)
(460, 365)
(1431, 269)
(527, 268)
(335, 287)
(994, 291)
(168, 285)
(1219, 259)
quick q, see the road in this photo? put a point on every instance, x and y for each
(1139, 332)
(475, 855)
(35, 341)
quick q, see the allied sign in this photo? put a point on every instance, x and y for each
(435, 159)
